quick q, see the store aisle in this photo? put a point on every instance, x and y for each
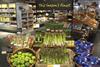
(4, 46)
(96, 50)
(3, 59)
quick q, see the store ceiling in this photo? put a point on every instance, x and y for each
(88, 2)
(81, 1)
(84, 1)
(11, 1)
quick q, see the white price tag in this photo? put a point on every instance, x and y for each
(36, 25)
(49, 65)
(58, 65)
(4, 52)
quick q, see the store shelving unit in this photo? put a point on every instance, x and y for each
(25, 17)
(8, 13)
(18, 14)
(8, 17)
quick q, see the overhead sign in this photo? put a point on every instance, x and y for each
(54, 4)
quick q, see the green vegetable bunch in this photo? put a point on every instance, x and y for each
(54, 25)
(54, 56)
(38, 37)
(55, 38)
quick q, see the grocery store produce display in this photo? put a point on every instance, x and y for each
(22, 58)
(51, 33)
(54, 56)
(54, 25)
(83, 46)
(54, 38)
(22, 41)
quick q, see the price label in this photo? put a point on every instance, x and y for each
(4, 52)
(4, 5)
(36, 25)
(70, 43)
(56, 65)
(0, 6)
(50, 66)
(12, 5)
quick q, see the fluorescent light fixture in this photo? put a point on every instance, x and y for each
(99, 5)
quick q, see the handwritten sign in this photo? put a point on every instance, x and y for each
(54, 4)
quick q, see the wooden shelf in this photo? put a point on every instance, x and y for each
(8, 16)
(39, 45)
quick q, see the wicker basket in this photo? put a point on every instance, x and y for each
(22, 50)
(78, 65)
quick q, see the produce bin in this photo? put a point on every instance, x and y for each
(68, 63)
(21, 50)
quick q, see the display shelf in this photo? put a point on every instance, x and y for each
(8, 29)
(27, 16)
(7, 16)
(8, 22)
(68, 63)
(27, 31)
(13, 23)
(7, 12)
(69, 44)
(41, 46)
(30, 1)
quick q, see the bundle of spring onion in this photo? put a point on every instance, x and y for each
(54, 39)
(54, 56)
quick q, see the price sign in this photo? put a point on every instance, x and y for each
(4, 52)
(50, 66)
(56, 65)
(70, 43)
(36, 26)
